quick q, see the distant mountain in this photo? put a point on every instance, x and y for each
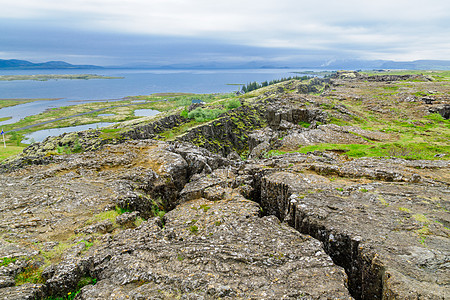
(353, 64)
(339, 64)
(418, 65)
(202, 65)
(24, 64)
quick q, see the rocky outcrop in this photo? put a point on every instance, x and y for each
(147, 219)
(148, 131)
(276, 115)
(378, 78)
(90, 140)
(331, 134)
(214, 250)
(213, 243)
(443, 110)
(392, 244)
(228, 133)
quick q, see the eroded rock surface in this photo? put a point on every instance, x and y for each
(213, 250)
(391, 237)
(146, 219)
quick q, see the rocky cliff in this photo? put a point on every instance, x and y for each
(232, 209)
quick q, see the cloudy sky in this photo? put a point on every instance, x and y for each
(281, 32)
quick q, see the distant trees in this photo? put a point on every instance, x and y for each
(255, 85)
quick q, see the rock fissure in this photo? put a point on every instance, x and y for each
(278, 199)
(149, 219)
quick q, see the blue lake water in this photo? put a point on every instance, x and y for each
(135, 82)
(145, 112)
(39, 136)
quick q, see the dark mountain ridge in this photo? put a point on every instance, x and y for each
(340, 64)
(24, 64)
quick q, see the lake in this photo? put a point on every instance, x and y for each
(135, 82)
(39, 136)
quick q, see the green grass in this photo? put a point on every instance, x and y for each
(12, 102)
(30, 274)
(411, 150)
(176, 131)
(304, 124)
(5, 261)
(9, 151)
(421, 218)
(110, 133)
(5, 119)
(106, 215)
(203, 115)
(193, 229)
(404, 209)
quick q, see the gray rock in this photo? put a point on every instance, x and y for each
(211, 250)
(127, 218)
(100, 227)
(260, 150)
(26, 291)
(6, 281)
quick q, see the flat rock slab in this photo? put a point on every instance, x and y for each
(27, 291)
(332, 134)
(210, 250)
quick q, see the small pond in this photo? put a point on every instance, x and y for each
(145, 112)
(39, 136)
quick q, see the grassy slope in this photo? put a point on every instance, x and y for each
(383, 107)
(9, 151)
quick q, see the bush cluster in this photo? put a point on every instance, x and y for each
(255, 85)
(202, 115)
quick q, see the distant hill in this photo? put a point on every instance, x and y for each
(418, 65)
(24, 64)
(339, 64)
(354, 64)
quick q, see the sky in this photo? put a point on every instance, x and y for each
(281, 32)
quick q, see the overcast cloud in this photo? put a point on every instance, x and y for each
(113, 31)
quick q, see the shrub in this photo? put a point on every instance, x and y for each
(202, 115)
(184, 113)
(234, 103)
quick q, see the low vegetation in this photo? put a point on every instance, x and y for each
(255, 85)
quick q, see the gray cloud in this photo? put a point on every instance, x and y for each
(382, 29)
